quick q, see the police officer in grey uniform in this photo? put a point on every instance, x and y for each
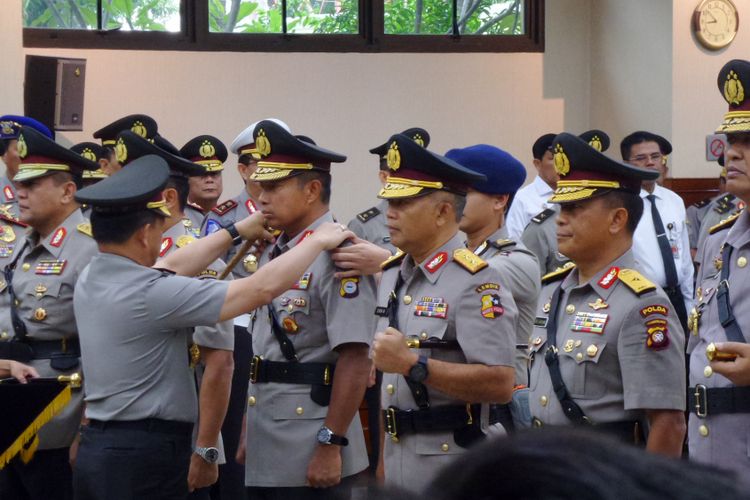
(41, 268)
(310, 367)
(720, 209)
(370, 225)
(697, 211)
(446, 338)
(540, 235)
(607, 348)
(210, 152)
(720, 410)
(10, 127)
(95, 153)
(135, 324)
(142, 125)
(483, 222)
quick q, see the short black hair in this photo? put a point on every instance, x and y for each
(629, 201)
(118, 227)
(325, 181)
(246, 159)
(640, 137)
(739, 138)
(180, 184)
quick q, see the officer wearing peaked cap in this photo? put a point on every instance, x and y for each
(719, 410)
(141, 317)
(95, 153)
(446, 323)
(141, 125)
(10, 127)
(205, 190)
(607, 348)
(310, 367)
(41, 267)
(540, 235)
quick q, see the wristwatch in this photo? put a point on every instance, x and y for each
(236, 237)
(210, 454)
(419, 372)
(326, 436)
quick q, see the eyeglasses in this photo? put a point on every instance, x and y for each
(654, 157)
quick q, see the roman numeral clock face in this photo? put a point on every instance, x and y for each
(715, 23)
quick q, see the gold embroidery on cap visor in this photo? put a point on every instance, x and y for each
(32, 170)
(159, 205)
(735, 121)
(397, 187)
(95, 174)
(579, 190)
(249, 150)
(211, 165)
(271, 171)
(562, 164)
(734, 92)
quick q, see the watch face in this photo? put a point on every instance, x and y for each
(212, 455)
(324, 435)
(418, 372)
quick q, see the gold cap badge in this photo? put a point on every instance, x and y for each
(207, 150)
(418, 139)
(596, 143)
(121, 151)
(139, 128)
(562, 164)
(23, 150)
(262, 144)
(734, 92)
(393, 157)
(88, 154)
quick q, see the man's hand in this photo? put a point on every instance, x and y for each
(331, 235)
(737, 370)
(361, 258)
(253, 227)
(201, 473)
(390, 352)
(324, 469)
(21, 372)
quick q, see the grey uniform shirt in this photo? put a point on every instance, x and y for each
(227, 213)
(318, 314)
(540, 237)
(695, 214)
(43, 282)
(721, 440)
(194, 214)
(134, 324)
(620, 353)
(520, 272)
(441, 299)
(8, 198)
(371, 225)
(722, 207)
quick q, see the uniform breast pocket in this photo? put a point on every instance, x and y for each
(291, 309)
(296, 406)
(42, 297)
(581, 369)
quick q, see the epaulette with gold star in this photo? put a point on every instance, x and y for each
(542, 216)
(702, 203)
(224, 207)
(13, 221)
(635, 281)
(725, 224)
(393, 260)
(558, 273)
(468, 260)
(501, 243)
(85, 228)
(368, 214)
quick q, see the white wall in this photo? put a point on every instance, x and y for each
(351, 102)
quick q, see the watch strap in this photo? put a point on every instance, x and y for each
(232, 230)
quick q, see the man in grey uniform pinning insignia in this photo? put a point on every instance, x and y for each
(310, 344)
(483, 222)
(607, 348)
(719, 409)
(446, 338)
(135, 324)
(36, 296)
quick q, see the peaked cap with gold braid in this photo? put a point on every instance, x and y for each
(597, 139)
(93, 152)
(418, 135)
(206, 150)
(141, 125)
(42, 156)
(734, 85)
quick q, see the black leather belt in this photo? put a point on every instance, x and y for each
(146, 424)
(435, 419)
(705, 401)
(262, 371)
(628, 431)
(38, 349)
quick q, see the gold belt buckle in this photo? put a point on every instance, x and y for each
(390, 424)
(255, 368)
(701, 401)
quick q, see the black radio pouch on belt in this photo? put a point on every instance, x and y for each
(64, 361)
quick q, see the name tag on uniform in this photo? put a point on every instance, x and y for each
(431, 307)
(540, 321)
(50, 266)
(589, 322)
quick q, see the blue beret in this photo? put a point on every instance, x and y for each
(504, 173)
(10, 126)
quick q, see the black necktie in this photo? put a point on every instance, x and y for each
(666, 250)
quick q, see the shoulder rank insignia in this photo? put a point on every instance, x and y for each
(558, 273)
(17, 222)
(58, 237)
(722, 209)
(184, 240)
(85, 228)
(9, 194)
(702, 203)
(368, 214)
(502, 243)
(393, 261)
(543, 215)
(725, 224)
(635, 281)
(206, 273)
(466, 259)
(224, 207)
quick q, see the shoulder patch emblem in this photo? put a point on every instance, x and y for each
(85, 228)
(212, 226)
(207, 273)
(657, 336)
(393, 261)
(349, 288)
(184, 240)
(558, 273)
(487, 286)
(491, 306)
(654, 309)
(466, 259)
(166, 244)
(635, 281)
(725, 224)
(368, 214)
(224, 207)
(543, 215)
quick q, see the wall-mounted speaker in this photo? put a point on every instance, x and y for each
(54, 90)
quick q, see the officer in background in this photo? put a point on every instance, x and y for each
(10, 127)
(607, 348)
(661, 246)
(446, 339)
(483, 222)
(38, 327)
(311, 343)
(142, 125)
(696, 212)
(540, 235)
(720, 411)
(370, 225)
(205, 190)
(97, 154)
(722, 208)
(135, 322)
